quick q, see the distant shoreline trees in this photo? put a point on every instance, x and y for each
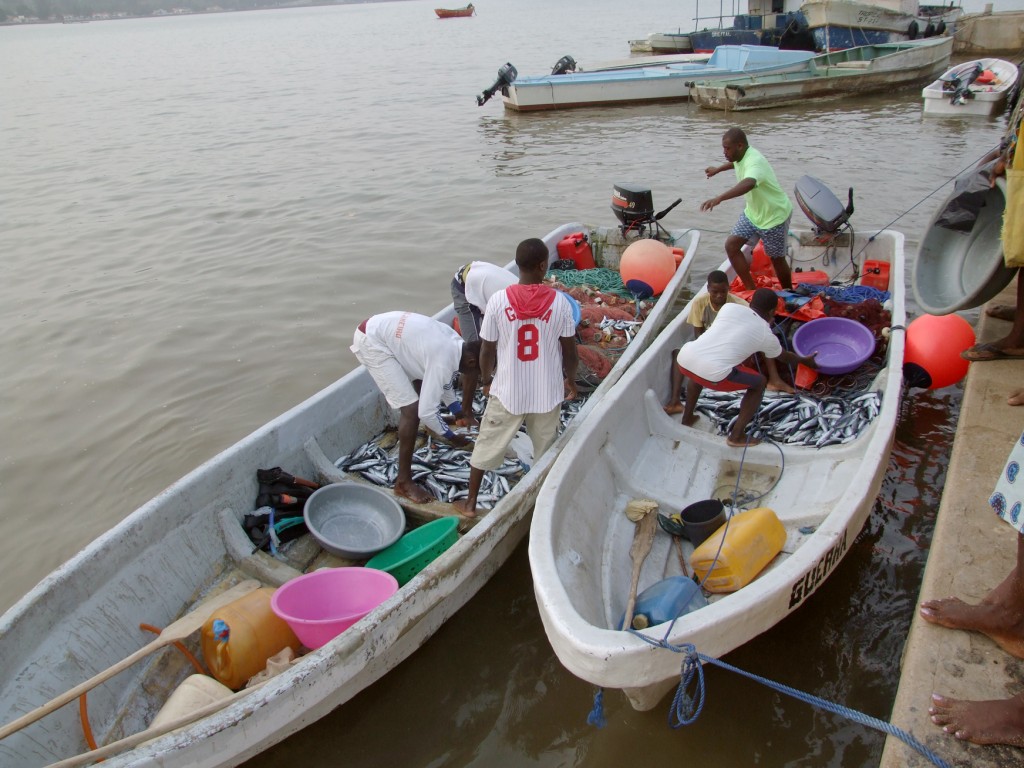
(55, 11)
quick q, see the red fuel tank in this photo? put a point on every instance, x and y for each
(811, 277)
(577, 247)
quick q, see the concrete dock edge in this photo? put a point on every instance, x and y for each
(971, 552)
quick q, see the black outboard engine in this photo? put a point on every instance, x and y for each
(823, 208)
(633, 206)
(506, 76)
(959, 86)
(564, 65)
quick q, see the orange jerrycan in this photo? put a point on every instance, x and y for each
(752, 540)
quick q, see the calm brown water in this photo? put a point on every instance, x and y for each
(196, 212)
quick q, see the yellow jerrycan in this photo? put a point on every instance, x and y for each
(238, 639)
(752, 540)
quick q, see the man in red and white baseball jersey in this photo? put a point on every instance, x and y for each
(529, 335)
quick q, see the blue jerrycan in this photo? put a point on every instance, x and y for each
(665, 600)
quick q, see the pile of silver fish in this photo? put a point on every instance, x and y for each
(796, 419)
(441, 468)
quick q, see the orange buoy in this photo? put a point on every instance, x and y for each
(931, 358)
(647, 267)
(986, 77)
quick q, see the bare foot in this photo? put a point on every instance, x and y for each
(1016, 397)
(1000, 615)
(462, 505)
(780, 386)
(691, 421)
(1001, 311)
(413, 492)
(1000, 721)
(673, 408)
(746, 442)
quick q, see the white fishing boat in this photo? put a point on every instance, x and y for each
(581, 542)
(662, 43)
(978, 87)
(188, 544)
(865, 69)
(666, 82)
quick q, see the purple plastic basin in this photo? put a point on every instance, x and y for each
(842, 344)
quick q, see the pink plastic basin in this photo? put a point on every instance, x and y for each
(319, 606)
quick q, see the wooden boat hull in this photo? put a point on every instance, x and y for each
(986, 100)
(668, 82)
(867, 69)
(629, 448)
(444, 13)
(188, 543)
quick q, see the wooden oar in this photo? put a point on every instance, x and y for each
(176, 631)
(135, 739)
(642, 513)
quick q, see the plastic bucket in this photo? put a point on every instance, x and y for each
(319, 606)
(702, 519)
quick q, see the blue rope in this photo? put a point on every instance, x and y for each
(686, 708)
(852, 294)
(596, 716)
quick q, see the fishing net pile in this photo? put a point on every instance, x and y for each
(609, 318)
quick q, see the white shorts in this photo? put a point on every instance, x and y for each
(498, 427)
(389, 374)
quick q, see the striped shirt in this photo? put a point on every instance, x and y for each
(528, 377)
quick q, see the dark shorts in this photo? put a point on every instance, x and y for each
(741, 377)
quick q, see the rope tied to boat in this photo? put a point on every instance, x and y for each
(686, 706)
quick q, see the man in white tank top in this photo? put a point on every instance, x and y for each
(529, 333)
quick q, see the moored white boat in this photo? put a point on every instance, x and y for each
(978, 87)
(188, 543)
(653, 83)
(580, 539)
(865, 69)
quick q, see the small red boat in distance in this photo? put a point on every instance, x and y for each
(445, 13)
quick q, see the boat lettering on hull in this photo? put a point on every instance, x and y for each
(815, 576)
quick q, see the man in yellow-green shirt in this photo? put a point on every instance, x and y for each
(766, 215)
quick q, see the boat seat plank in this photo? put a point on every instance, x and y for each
(852, 64)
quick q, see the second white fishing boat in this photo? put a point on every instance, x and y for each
(581, 543)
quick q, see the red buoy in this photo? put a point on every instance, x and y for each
(931, 358)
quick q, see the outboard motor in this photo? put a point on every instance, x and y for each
(959, 87)
(823, 208)
(506, 76)
(633, 206)
(564, 65)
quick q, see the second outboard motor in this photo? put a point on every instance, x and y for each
(506, 76)
(633, 206)
(822, 207)
(959, 86)
(564, 65)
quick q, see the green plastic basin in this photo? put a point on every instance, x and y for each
(416, 549)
